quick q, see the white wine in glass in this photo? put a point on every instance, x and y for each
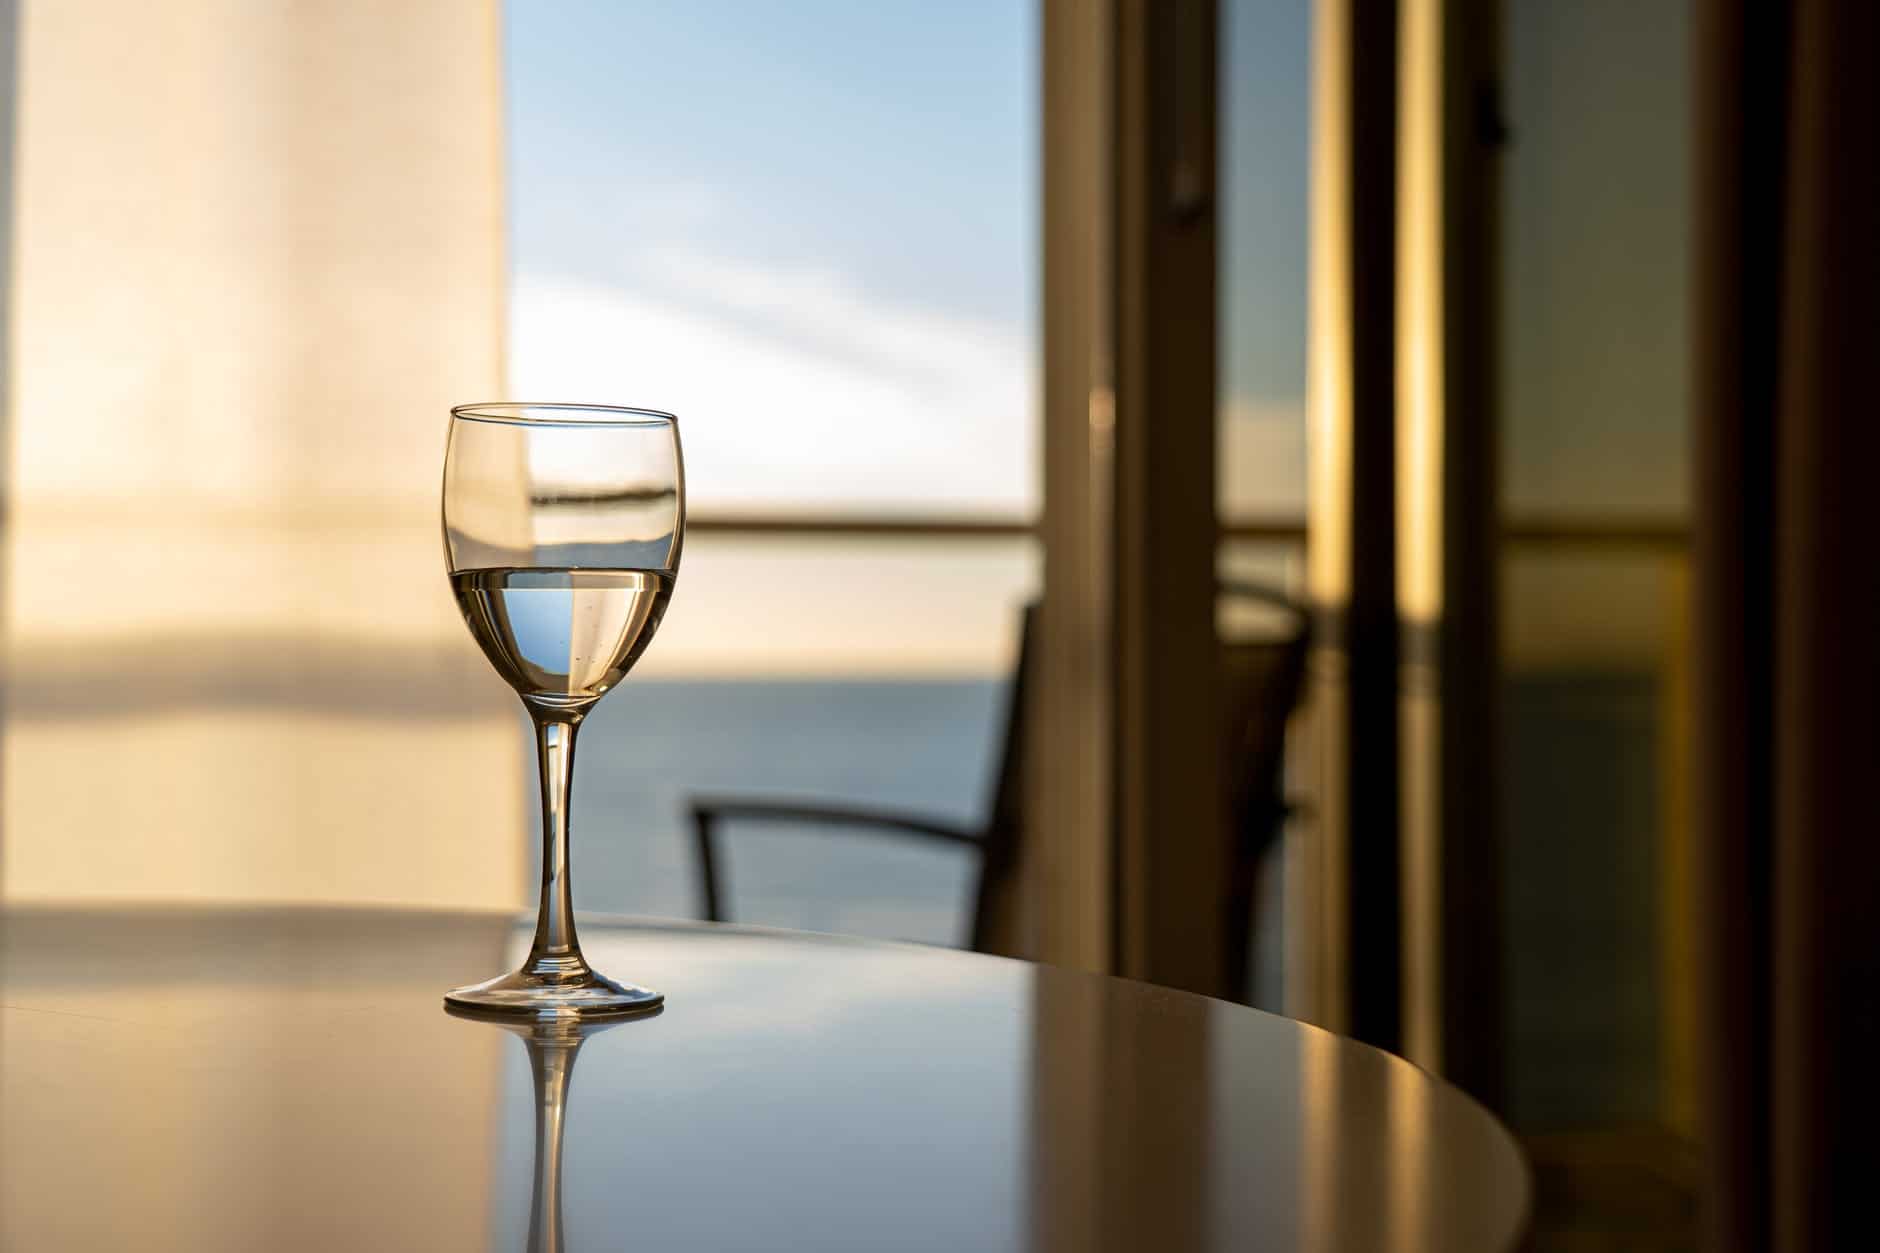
(562, 637)
(563, 526)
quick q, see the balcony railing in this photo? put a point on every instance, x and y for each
(1620, 533)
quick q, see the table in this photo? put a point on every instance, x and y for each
(181, 1078)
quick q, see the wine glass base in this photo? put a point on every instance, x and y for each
(521, 994)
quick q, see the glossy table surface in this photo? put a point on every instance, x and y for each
(288, 1079)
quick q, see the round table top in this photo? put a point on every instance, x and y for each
(288, 1079)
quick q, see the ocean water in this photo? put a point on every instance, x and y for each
(925, 745)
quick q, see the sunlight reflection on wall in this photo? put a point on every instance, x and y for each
(258, 255)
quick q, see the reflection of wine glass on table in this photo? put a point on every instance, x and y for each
(562, 527)
(552, 1044)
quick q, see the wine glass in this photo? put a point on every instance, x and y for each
(562, 529)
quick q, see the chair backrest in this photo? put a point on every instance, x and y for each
(1005, 814)
(1261, 682)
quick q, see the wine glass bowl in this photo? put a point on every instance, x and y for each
(563, 526)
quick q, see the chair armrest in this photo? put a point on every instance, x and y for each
(707, 811)
(710, 808)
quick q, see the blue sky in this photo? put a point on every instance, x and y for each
(1265, 97)
(810, 229)
(806, 228)
(893, 140)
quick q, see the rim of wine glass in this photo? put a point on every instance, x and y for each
(524, 413)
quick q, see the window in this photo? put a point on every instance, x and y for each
(807, 230)
(1265, 103)
(1595, 649)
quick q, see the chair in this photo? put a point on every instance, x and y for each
(1261, 681)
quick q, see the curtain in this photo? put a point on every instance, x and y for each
(257, 254)
(1788, 713)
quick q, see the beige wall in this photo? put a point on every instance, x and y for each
(258, 253)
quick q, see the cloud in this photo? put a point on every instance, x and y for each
(793, 387)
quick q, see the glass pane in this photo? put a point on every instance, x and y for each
(1593, 737)
(1264, 85)
(1595, 651)
(1596, 259)
(808, 230)
(804, 228)
(1265, 105)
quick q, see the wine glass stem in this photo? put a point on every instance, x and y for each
(556, 949)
